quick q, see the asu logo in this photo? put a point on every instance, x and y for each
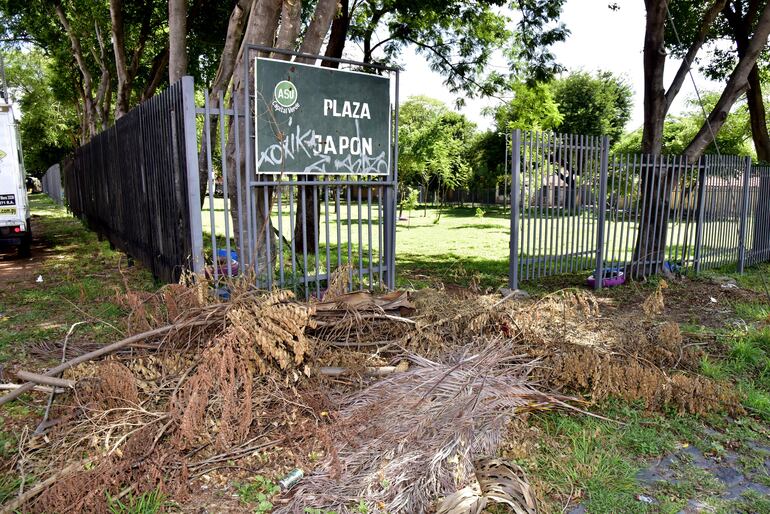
(285, 97)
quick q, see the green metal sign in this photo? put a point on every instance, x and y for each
(322, 121)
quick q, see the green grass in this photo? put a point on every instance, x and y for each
(81, 279)
(149, 502)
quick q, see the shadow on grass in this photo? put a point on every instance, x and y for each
(480, 226)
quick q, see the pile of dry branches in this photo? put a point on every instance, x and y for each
(399, 392)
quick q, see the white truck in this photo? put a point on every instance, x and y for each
(14, 207)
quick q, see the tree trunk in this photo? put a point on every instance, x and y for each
(741, 26)
(319, 26)
(648, 248)
(692, 52)
(119, 49)
(235, 28)
(89, 107)
(654, 64)
(757, 116)
(736, 85)
(177, 40)
(338, 35)
(289, 30)
(260, 29)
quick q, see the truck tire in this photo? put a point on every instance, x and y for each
(26, 243)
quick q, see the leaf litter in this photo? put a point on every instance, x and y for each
(387, 399)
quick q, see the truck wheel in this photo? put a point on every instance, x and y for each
(25, 247)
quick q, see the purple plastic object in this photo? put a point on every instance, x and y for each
(612, 277)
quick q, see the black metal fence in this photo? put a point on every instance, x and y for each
(129, 183)
(577, 208)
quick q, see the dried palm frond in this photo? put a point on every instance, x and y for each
(497, 481)
(410, 438)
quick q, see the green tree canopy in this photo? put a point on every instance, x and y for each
(733, 139)
(593, 105)
(49, 123)
(433, 143)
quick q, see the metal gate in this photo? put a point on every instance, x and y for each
(577, 208)
(294, 227)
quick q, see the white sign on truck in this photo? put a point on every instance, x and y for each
(14, 208)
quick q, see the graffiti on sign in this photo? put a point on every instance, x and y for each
(313, 120)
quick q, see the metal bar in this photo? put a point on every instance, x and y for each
(316, 237)
(515, 170)
(339, 227)
(268, 225)
(210, 175)
(369, 227)
(380, 236)
(360, 244)
(238, 185)
(328, 240)
(743, 220)
(699, 210)
(392, 263)
(279, 249)
(249, 172)
(283, 51)
(193, 180)
(292, 228)
(599, 273)
(304, 241)
(350, 239)
(223, 160)
(528, 204)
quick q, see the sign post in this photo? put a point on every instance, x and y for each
(312, 120)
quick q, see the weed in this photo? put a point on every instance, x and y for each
(146, 503)
(752, 311)
(9, 487)
(259, 491)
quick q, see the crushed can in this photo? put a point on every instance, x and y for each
(290, 480)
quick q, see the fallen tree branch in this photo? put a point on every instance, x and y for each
(44, 380)
(38, 388)
(98, 353)
(335, 371)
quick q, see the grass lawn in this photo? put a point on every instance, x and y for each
(78, 282)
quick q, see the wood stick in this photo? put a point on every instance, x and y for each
(39, 388)
(44, 380)
(98, 353)
(334, 371)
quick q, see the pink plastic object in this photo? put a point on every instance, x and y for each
(612, 277)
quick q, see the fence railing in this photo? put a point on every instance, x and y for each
(291, 230)
(52, 185)
(130, 183)
(577, 208)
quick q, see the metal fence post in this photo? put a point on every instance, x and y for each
(513, 271)
(703, 168)
(744, 215)
(599, 272)
(193, 181)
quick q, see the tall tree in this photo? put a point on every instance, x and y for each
(593, 105)
(177, 39)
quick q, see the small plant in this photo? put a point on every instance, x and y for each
(410, 203)
(260, 491)
(146, 503)
(480, 212)
(312, 510)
